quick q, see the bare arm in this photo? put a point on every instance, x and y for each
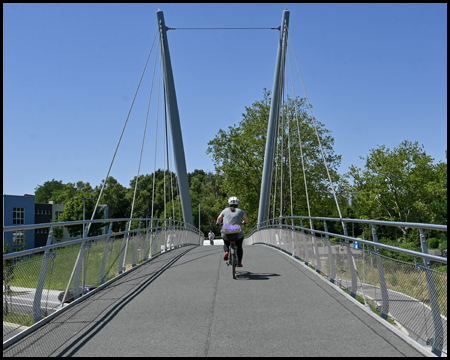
(245, 217)
(219, 219)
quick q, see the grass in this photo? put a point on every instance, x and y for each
(361, 300)
(60, 266)
(20, 319)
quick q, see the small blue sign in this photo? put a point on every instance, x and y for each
(356, 244)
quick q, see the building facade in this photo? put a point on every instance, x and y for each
(43, 214)
(18, 210)
(22, 210)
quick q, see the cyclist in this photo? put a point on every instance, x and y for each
(233, 216)
(211, 237)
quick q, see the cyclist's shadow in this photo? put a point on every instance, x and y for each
(247, 275)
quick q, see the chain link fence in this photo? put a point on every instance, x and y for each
(38, 282)
(412, 296)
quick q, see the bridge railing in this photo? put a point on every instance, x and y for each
(39, 281)
(411, 293)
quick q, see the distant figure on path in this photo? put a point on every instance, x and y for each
(211, 237)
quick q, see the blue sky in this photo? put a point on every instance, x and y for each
(375, 74)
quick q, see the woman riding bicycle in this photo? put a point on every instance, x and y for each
(233, 216)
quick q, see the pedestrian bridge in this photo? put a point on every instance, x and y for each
(185, 303)
(157, 291)
(162, 292)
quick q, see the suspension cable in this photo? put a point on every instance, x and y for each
(164, 149)
(277, 28)
(170, 173)
(143, 140)
(120, 139)
(289, 150)
(317, 134)
(300, 143)
(156, 138)
(282, 154)
(275, 183)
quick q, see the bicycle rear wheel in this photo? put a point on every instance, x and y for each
(233, 260)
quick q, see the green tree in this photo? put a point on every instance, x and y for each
(401, 185)
(238, 156)
(44, 193)
(65, 194)
(8, 276)
(116, 197)
(204, 189)
(73, 211)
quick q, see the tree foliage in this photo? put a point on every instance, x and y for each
(238, 156)
(401, 185)
(46, 192)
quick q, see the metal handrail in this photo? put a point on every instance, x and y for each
(175, 224)
(275, 222)
(373, 222)
(79, 222)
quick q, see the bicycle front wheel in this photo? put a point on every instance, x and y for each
(233, 263)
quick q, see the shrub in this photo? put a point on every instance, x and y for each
(433, 243)
(397, 255)
(443, 245)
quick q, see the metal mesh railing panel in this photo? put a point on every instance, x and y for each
(33, 285)
(407, 299)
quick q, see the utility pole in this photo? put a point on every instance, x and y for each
(84, 210)
(177, 139)
(274, 117)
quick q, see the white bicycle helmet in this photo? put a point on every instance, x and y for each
(233, 201)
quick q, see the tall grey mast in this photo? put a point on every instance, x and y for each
(177, 139)
(274, 118)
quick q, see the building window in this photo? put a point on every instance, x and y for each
(18, 216)
(18, 237)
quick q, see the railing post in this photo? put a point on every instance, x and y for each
(135, 245)
(330, 254)
(78, 269)
(381, 277)
(437, 341)
(147, 243)
(350, 263)
(305, 244)
(316, 249)
(37, 310)
(105, 254)
(121, 267)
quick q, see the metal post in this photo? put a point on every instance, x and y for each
(102, 275)
(84, 217)
(272, 130)
(315, 249)
(177, 139)
(438, 341)
(330, 254)
(37, 310)
(381, 277)
(351, 264)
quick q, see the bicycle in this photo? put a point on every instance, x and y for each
(232, 257)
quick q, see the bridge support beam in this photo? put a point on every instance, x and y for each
(177, 139)
(274, 117)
